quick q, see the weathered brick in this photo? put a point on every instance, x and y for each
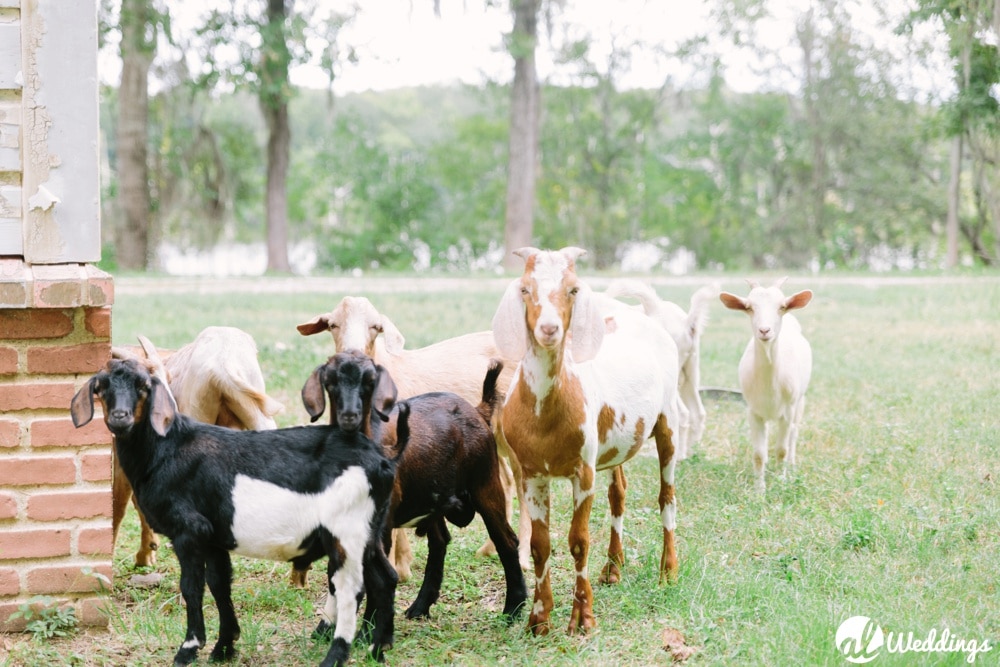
(35, 543)
(62, 579)
(98, 321)
(7, 624)
(15, 283)
(93, 611)
(8, 506)
(10, 583)
(10, 433)
(85, 358)
(58, 285)
(100, 287)
(35, 396)
(96, 467)
(93, 541)
(35, 470)
(27, 323)
(8, 360)
(69, 505)
(62, 433)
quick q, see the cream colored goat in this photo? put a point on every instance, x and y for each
(573, 410)
(457, 365)
(774, 371)
(686, 329)
(215, 379)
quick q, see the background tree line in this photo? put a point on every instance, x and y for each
(846, 164)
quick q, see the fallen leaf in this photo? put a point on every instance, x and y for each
(675, 645)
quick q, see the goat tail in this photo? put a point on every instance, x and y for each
(491, 397)
(697, 318)
(402, 429)
(635, 288)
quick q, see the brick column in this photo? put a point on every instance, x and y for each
(55, 480)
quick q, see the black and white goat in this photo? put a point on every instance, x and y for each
(293, 494)
(449, 471)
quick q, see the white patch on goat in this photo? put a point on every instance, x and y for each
(329, 611)
(270, 522)
(669, 516)
(618, 524)
(412, 523)
(191, 643)
(535, 498)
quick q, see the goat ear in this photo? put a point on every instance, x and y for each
(510, 333)
(798, 300)
(525, 252)
(393, 338)
(164, 407)
(586, 326)
(732, 301)
(82, 406)
(572, 253)
(314, 398)
(316, 325)
(384, 395)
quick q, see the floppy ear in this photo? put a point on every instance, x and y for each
(316, 325)
(314, 398)
(732, 301)
(798, 300)
(164, 407)
(586, 326)
(82, 406)
(510, 333)
(393, 338)
(384, 395)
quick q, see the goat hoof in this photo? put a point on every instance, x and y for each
(610, 574)
(417, 612)
(222, 653)
(323, 632)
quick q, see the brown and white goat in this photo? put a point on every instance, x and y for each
(457, 365)
(215, 379)
(450, 469)
(575, 409)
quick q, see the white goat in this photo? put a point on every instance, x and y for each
(575, 409)
(686, 329)
(457, 365)
(774, 370)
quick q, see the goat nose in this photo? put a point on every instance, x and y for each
(764, 331)
(119, 414)
(549, 329)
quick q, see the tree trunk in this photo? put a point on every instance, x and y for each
(132, 235)
(954, 196)
(524, 132)
(275, 86)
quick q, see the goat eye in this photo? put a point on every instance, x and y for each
(573, 291)
(377, 327)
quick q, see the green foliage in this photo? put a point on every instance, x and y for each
(45, 618)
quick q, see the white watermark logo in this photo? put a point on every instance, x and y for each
(860, 640)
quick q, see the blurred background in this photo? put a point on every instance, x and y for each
(320, 136)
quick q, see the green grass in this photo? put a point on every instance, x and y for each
(892, 512)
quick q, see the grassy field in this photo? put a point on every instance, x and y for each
(892, 513)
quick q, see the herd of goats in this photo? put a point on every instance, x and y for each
(569, 382)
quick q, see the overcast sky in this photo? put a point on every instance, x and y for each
(403, 43)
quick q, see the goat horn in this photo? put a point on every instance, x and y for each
(155, 363)
(526, 252)
(752, 283)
